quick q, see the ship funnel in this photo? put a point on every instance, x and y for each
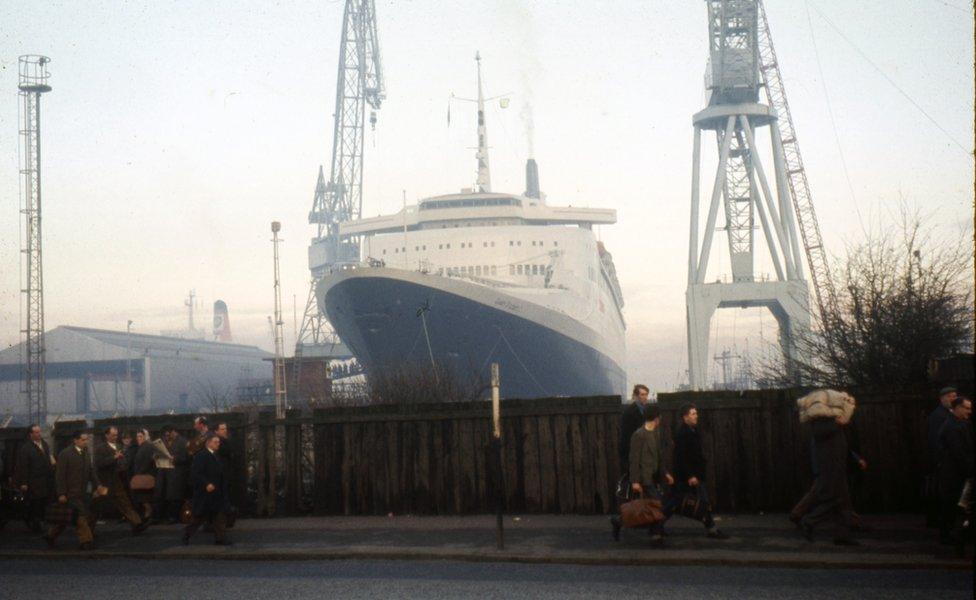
(221, 322)
(531, 179)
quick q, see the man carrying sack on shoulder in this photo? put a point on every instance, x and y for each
(646, 475)
(73, 474)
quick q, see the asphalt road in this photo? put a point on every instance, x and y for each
(149, 579)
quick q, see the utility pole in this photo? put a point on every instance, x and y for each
(281, 395)
(33, 81)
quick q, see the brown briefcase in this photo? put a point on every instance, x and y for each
(641, 512)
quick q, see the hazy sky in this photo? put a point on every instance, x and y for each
(177, 131)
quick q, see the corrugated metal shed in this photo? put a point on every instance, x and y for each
(93, 372)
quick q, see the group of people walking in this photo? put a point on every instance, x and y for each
(836, 464)
(680, 490)
(145, 481)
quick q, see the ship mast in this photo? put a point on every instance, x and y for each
(484, 171)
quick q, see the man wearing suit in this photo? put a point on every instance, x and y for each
(171, 482)
(72, 476)
(631, 420)
(110, 468)
(34, 475)
(210, 501)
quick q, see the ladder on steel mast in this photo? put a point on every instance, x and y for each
(806, 215)
(359, 83)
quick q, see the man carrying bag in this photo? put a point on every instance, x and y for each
(646, 475)
(72, 476)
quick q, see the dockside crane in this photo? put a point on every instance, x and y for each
(359, 84)
(796, 175)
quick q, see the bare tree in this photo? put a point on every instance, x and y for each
(216, 397)
(903, 299)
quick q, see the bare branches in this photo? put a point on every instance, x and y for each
(905, 297)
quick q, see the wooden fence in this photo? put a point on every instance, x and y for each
(559, 455)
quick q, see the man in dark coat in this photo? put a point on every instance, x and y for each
(72, 476)
(210, 501)
(228, 460)
(111, 469)
(631, 420)
(34, 475)
(936, 419)
(689, 471)
(832, 498)
(955, 464)
(172, 482)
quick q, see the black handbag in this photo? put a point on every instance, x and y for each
(59, 514)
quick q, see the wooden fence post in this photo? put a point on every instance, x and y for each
(293, 462)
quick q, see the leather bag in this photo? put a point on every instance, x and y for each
(142, 483)
(692, 506)
(641, 512)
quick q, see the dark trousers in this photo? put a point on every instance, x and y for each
(949, 493)
(217, 520)
(35, 510)
(84, 527)
(834, 510)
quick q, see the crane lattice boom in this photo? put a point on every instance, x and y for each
(772, 79)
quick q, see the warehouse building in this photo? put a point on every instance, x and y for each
(93, 372)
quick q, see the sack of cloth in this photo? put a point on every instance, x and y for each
(142, 483)
(826, 404)
(641, 512)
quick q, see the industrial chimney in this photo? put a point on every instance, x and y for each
(531, 179)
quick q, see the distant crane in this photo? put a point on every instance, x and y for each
(281, 393)
(796, 175)
(33, 81)
(359, 83)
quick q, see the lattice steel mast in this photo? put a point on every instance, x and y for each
(772, 79)
(359, 82)
(33, 81)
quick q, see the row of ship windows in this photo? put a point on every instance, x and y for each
(479, 270)
(466, 245)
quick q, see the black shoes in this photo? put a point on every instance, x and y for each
(846, 541)
(49, 540)
(186, 539)
(223, 543)
(615, 523)
(142, 526)
(657, 540)
(86, 547)
(717, 534)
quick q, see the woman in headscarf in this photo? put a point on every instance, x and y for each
(143, 463)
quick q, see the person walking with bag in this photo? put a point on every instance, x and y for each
(110, 469)
(34, 475)
(690, 495)
(646, 471)
(72, 475)
(210, 500)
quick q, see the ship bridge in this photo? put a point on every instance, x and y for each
(478, 210)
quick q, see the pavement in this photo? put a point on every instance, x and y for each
(894, 542)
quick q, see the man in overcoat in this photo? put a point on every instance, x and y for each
(955, 464)
(34, 475)
(631, 420)
(689, 470)
(111, 468)
(832, 503)
(210, 499)
(172, 486)
(71, 476)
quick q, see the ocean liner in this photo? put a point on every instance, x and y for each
(464, 280)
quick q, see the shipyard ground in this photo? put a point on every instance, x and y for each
(898, 542)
